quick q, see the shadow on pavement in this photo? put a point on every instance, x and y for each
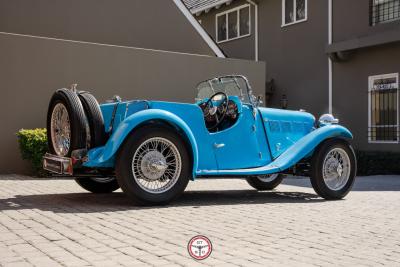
(87, 202)
(365, 183)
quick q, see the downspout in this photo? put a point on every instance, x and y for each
(255, 28)
(329, 58)
(213, 46)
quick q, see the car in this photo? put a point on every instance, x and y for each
(152, 149)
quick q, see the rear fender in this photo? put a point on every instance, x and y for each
(105, 156)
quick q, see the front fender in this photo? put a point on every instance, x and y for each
(306, 145)
(103, 156)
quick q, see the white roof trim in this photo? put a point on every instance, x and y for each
(214, 47)
(210, 6)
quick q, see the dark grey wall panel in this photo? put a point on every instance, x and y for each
(350, 90)
(32, 68)
(295, 55)
(155, 24)
(351, 19)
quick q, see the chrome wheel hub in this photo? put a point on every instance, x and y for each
(153, 165)
(336, 169)
(60, 130)
(156, 165)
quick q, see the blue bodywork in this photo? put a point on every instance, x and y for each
(262, 140)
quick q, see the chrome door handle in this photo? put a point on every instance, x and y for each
(219, 145)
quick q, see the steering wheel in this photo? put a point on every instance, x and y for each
(216, 113)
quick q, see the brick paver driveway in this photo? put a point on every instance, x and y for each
(54, 222)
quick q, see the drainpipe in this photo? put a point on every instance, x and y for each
(329, 58)
(255, 28)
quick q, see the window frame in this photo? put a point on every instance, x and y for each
(284, 24)
(371, 80)
(374, 9)
(225, 13)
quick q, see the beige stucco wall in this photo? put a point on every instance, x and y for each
(32, 68)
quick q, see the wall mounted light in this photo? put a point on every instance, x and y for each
(284, 102)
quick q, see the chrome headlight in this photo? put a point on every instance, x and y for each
(327, 119)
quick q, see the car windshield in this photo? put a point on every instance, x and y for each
(230, 85)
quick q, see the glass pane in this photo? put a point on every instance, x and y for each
(301, 9)
(244, 21)
(289, 7)
(221, 28)
(232, 25)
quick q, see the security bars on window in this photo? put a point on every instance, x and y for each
(383, 11)
(383, 109)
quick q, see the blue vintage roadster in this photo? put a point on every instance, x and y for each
(151, 149)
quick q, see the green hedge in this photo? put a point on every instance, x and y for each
(33, 146)
(377, 162)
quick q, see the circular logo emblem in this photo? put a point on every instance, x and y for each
(199, 247)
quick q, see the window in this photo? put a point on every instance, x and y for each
(293, 11)
(233, 24)
(382, 11)
(383, 99)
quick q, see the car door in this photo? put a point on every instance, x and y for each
(244, 144)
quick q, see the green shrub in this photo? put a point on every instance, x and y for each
(33, 146)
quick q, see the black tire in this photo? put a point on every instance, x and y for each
(316, 174)
(260, 185)
(98, 136)
(125, 175)
(76, 116)
(98, 185)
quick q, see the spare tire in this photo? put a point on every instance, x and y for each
(66, 123)
(98, 136)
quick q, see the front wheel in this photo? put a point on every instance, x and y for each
(333, 169)
(101, 185)
(153, 166)
(265, 182)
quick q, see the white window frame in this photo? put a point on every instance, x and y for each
(371, 80)
(225, 13)
(294, 9)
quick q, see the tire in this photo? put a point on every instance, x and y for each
(326, 185)
(264, 183)
(64, 99)
(98, 136)
(132, 179)
(98, 185)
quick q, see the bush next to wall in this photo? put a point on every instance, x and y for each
(33, 146)
(377, 162)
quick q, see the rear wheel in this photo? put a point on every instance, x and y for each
(153, 166)
(265, 182)
(333, 169)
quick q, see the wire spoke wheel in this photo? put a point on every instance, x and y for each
(156, 165)
(336, 169)
(60, 129)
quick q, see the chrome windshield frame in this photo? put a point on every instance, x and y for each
(252, 99)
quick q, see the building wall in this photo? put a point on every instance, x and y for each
(350, 78)
(33, 68)
(240, 48)
(352, 20)
(155, 24)
(295, 55)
